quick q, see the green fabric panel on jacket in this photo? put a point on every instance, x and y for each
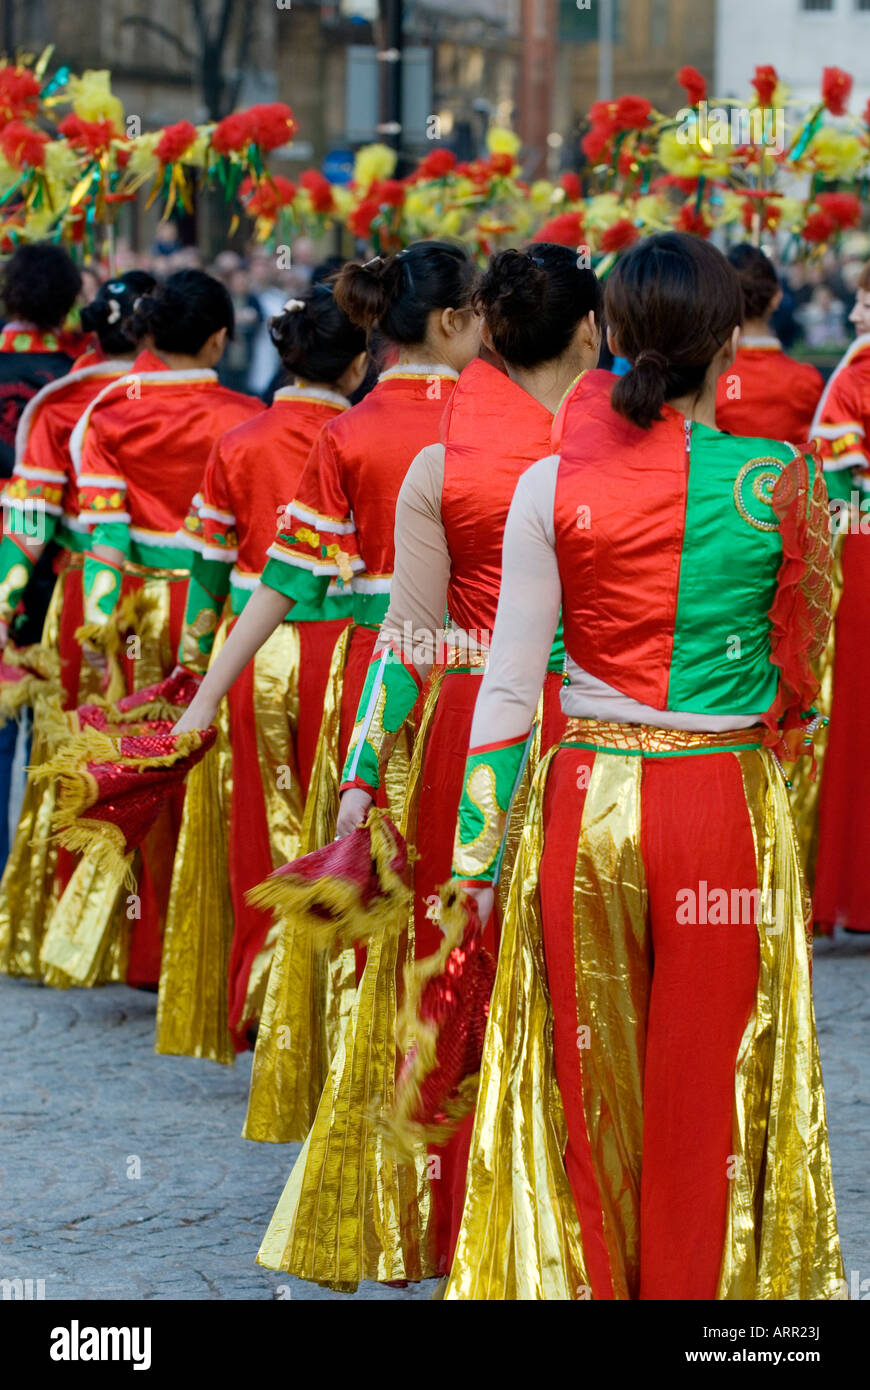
(388, 696)
(16, 567)
(487, 790)
(207, 590)
(731, 544)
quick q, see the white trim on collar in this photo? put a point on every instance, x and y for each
(762, 341)
(312, 393)
(420, 369)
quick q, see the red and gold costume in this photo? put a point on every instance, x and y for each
(342, 522)
(450, 521)
(273, 708)
(338, 535)
(140, 452)
(842, 431)
(650, 1122)
(767, 392)
(41, 502)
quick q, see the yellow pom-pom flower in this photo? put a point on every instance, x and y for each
(92, 98)
(373, 162)
(499, 140)
(835, 153)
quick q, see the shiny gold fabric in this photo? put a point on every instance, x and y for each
(86, 935)
(155, 657)
(350, 1211)
(613, 975)
(27, 885)
(321, 804)
(78, 937)
(644, 738)
(781, 1239)
(192, 994)
(804, 795)
(520, 1236)
(26, 889)
(276, 717)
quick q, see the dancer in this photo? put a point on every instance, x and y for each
(342, 520)
(40, 285)
(343, 513)
(140, 452)
(41, 510)
(764, 391)
(540, 318)
(276, 703)
(842, 431)
(650, 1122)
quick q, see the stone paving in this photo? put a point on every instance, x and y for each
(123, 1174)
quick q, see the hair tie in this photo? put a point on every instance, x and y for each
(114, 311)
(652, 355)
(375, 260)
(293, 306)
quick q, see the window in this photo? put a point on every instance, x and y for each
(658, 25)
(817, 6)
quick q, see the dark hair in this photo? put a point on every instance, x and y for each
(111, 308)
(182, 313)
(864, 277)
(397, 294)
(314, 337)
(758, 279)
(533, 300)
(671, 303)
(40, 284)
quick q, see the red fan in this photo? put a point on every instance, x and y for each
(153, 705)
(346, 890)
(441, 1028)
(113, 789)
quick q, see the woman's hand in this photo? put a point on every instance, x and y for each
(354, 808)
(200, 714)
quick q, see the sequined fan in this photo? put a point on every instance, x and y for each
(441, 1028)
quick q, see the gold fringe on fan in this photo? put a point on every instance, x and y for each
(42, 666)
(78, 790)
(349, 921)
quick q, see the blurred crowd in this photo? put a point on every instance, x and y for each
(813, 319)
(817, 298)
(258, 284)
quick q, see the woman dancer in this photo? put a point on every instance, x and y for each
(342, 520)
(539, 316)
(140, 452)
(650, 1122)
(343, 512)
(276, 704)
(41, 507)
(842, 430)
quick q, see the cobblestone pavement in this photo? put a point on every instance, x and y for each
(85, 1104)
